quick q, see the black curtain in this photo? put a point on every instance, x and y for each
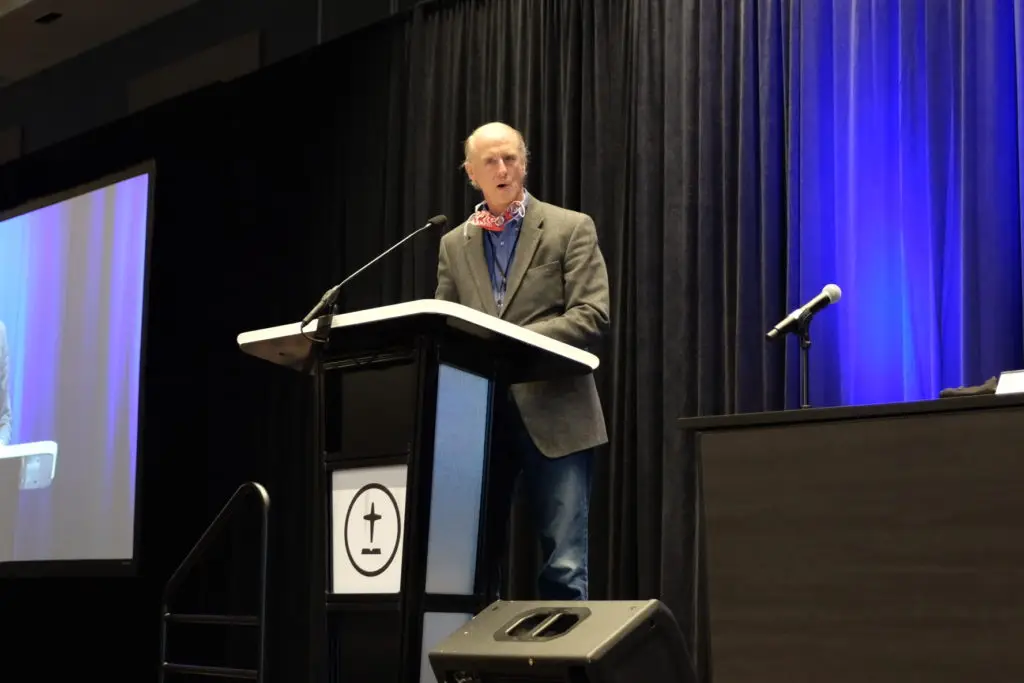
(648, 116)
(272, 188)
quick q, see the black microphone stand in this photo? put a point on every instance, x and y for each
(330, 298)
(803, 334)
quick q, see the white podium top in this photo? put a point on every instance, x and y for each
(286, 345)
(25, 450)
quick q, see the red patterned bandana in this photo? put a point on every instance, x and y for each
(482, 218)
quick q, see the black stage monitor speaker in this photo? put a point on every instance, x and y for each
(571, 642)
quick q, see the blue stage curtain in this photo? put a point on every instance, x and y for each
(902, 169)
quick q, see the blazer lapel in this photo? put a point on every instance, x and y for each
(477, 262)
(529, 237)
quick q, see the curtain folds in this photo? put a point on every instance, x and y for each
(737, 156)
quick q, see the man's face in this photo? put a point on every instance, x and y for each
(497, 167)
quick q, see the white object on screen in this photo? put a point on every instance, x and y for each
(38, 462)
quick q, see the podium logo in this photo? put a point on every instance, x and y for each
(373, 530)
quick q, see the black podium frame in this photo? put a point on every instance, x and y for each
(416, 358)
(375, 388)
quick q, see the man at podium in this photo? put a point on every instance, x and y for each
(539, 266)
(9, 469)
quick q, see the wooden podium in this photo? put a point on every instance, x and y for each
(863, 543)
(398, 479)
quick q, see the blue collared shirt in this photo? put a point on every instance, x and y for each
(500, 249)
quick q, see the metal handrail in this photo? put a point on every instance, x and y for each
(207, 539)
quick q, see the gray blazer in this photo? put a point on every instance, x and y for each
(5, 401)
(558, 286)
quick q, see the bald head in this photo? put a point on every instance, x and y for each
(492, 131)
(496, 163)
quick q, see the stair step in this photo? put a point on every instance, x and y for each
(214, 671)
(225, 619)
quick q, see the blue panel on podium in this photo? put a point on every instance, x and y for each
(437, 626)
(460, 451)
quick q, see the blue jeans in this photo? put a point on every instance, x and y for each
(557, 495)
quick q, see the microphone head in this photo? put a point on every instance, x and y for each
(439, 219)
(832, 292)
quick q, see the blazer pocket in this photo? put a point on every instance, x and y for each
(544, 269)
(543, 286)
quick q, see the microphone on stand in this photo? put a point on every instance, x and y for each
(799, 321)
(830, 294)
(331, 295)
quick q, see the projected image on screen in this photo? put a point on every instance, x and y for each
(72, 278)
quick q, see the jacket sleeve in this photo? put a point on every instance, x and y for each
(586, 318)
(446, 289)
(5, 402)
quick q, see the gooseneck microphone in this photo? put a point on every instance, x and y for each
(331, 295)
(830, 294)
